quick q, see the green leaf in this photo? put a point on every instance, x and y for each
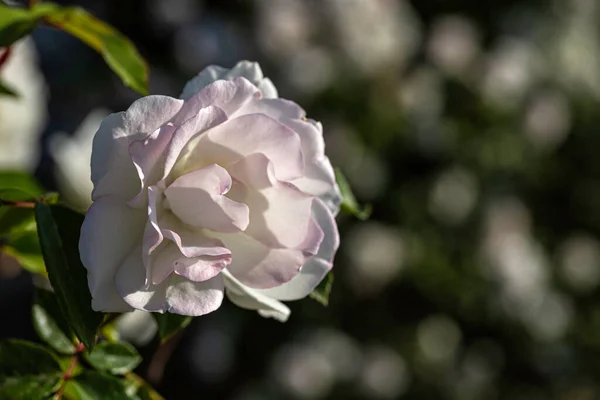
(92, 385)
(58, 231)
(6, 90)
(116, 358)
(15, 23)
(24, 246)
(50, 324)
(322, 292)
(27, 371)
(20, 181)
(169, 324)
(349, 203)
(119, 52)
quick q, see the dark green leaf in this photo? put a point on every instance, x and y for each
(58, 230)
(116, 358)
(15, 23)
(118, 51)
(6, 90)
(349, 203)
(50, 324)
(322, 292)
(27, 371)
(92, 385)
(169, 324)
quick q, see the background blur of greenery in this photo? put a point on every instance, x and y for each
(472, 127)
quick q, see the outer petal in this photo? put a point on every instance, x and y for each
(278, 109)
(110, 230)
(112, 169)
(246, 69)
(243, 136)
(197, 198)
(229, 96)
(251, 299)
(317, 267)
(176, 294)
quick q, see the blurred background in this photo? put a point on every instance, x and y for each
(473, 129)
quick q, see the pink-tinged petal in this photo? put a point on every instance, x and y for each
(257, 265)
(280, 214)
(153, 236)
(229, 96)
(317, 267)
(113, 172)
(169, 259)
(250, 299)
(191, 243)
(175, 294)
(206, 76)
(319, 180)
(250, 134)
(197, 199)
(148, 158)
(108, 234)
(278, 109)
(311, 137)
(205, 119)
(245, 69)
(311, 274)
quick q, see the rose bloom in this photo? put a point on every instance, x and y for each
(224, 191)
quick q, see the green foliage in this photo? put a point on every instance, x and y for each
(349, 203)
(116, 358)
(27, 371)
(58, 230)
(15, 23)
(118, 51)
(323, 290)
(91, 385)
(50, 324)
(169, 324)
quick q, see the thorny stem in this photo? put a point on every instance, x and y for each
(80, 348)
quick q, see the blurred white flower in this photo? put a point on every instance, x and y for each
(438, 338)
(511, 69)
(375, 34)
(548, 317)
(377, 254)
(72, 156)
(22, 119)
(453, 196)
(137, 327)
(547, 120)
(385, 375)
(453, 45)
(579, 258)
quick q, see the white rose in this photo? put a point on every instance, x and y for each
(226, 190)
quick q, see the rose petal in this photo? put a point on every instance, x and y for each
(268, 89)
(313, 272)
(246, 69)
(319, 180)
(204, 120)
(245, 297)
(176, 294)
(109, 232)
(229, 96)
(250, 134)
(280, 214)
(257, 265)
(146, 156)
(113, 172)
(198, 200)
(191, 243)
